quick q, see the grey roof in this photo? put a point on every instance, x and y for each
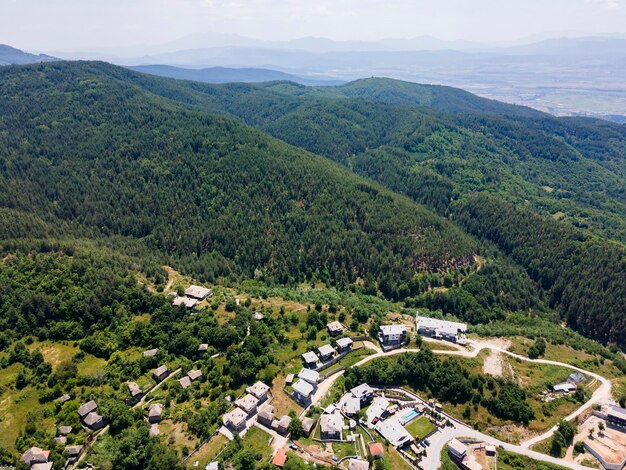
(258, 389)
(326, 350)
(303, 388)
(394, 432)
(331, 423)
(34, 455)
(185, 382)
(64, 429)
(60, 440)
(92, 418)
(184, 301)
(266, 412)
(156, 410)
(361, 391)
(335, 326)
(151, 352)
(258, 316)
(289, 378)
(73, 450)
(283, 422)
(377, 408)
(358, 464)
(457, 447)
(65, 398)
(344, 342)
(42, 466)
(576, 377)
(197, 292)
(247, 403)
(309, 375)
(307, 424)
(617, 412)
(203, 347)
(310, 357)
(134, 389)
(86, 408)
(236, 417)
(351, 405)
(564, 387)
(443, 326)
(159, 371)
(194, 374)
(392, 329)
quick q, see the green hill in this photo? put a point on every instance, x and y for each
(84, 149)
(96, 150)
(438, 145)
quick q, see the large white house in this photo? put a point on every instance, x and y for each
(437, 328)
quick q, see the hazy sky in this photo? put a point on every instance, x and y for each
(48, 25)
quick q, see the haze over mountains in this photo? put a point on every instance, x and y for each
(562, 76)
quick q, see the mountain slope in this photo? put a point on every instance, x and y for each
(82, 147)
(10, 55)
(228, 75)
(571, 169)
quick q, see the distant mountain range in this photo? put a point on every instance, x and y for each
(228, 75)
(562, 76)
(10, 55)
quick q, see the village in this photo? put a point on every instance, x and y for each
(359, 429)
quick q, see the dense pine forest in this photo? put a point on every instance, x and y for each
(93, 150)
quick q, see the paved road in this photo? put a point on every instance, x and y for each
(439, 440)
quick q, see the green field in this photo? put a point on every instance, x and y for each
(420, 427)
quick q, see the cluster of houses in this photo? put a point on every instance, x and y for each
(38, 459)
(193, 296)
(441, 329)
(326, 353)
(89, 416)
(254, 403)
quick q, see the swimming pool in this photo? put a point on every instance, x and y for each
(410, 416)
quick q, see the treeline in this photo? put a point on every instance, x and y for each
(583, 276)
(448, 381)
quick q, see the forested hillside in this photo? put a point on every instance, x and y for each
(91, 149)
(93, 155)
(438, 145)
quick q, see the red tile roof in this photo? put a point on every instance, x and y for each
(377, 449)
(280, 457)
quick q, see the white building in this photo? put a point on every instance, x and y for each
(443, 329)
(363, 392)
(391, 334)
(310, 359)
(394, 432)
(376, 410)
(344, 344)
(326, 352)
(302, 391)
(311, 376)
(248, 403)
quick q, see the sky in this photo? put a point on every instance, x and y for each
(81, 25)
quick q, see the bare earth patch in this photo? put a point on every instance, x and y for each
(493, 364)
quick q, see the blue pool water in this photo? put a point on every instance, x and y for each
(409, 416)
